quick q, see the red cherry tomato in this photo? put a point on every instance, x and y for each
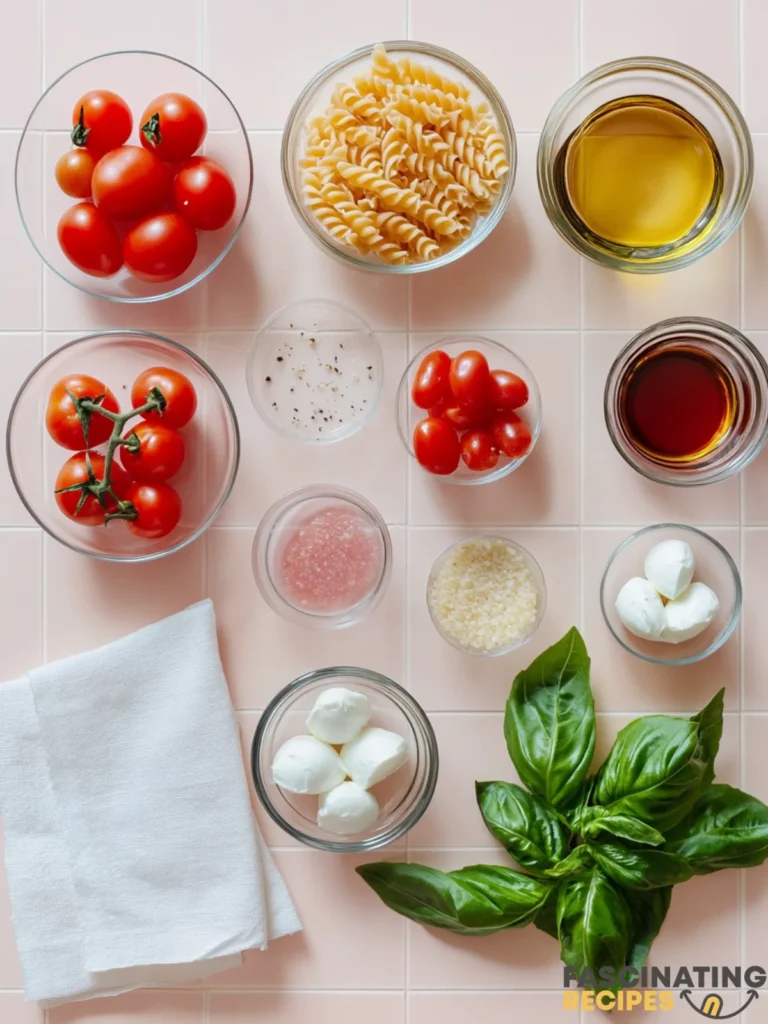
(436, 446)
(74, 171)
(80, 469)
(511, 434)
(478, 450)
(204, 194)
(430, 385)
(89, 241)
(159, 456)
(160, 248)
(173, 126)
(101, 121)
(507, 390)
(468, 417)
(130, 182)
(177, 390)
(470, 378)
(159, 508)
(62, 421)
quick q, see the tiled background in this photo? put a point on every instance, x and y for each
(571, 504)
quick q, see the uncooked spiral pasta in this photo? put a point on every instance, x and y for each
(402, 163)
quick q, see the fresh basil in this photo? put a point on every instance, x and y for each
(649, 910)
(725, 829)
(622, 826)
(546, 918)
(477, 900)
(594, 923)
(640, 869)
(550, 722)
(528, 829)
(578, 859)
(710, 722)
(657, 766)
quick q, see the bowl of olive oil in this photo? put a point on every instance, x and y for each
(645, 165)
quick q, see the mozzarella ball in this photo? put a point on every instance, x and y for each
(640, 609)
(347, 809)
(373, 755)
(669, 566)
(339, 715)
(690, 614)
(305, 765)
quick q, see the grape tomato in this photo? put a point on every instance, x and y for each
(130, 182)
(511, 434)
(507, 390)
(478, 450)
(160, 247)
(469, 378)
(88, 239)
(431, 384)
(436, 446)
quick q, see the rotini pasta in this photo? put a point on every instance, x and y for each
(402, 163)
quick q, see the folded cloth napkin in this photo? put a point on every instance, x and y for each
(132, 854)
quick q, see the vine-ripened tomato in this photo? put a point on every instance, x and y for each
(88, 239)
(160, 247)
(507, 390)
(75, 471)
(436, 446)
(74, 170)
(159, 508)
(464, 417)
(478, 450)
(177, 390)
(130, 182)
(511, 434)
(160, 454)
(430, 385)
(469, 378)
(62, 421)
(173, 126)
(204, 193)
(101, 121)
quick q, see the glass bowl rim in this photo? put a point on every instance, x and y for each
(263, 579)
(180, 289)
(726, 633)
(541, 588)
(506, 468)
(487, 224)
(154, 555)
(395, 693)
(730, 109)
(658, 332)
(378, 358)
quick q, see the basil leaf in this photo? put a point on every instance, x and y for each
(546, 918)
(550, 722)
(710, 722)
(594, 923)
(578, 859)
(725, 829)
(525, 825)
(476, 900)
(649, 910)
(641, 869)
(622, 826)
(657, 766)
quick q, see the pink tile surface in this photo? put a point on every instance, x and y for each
(570, 505)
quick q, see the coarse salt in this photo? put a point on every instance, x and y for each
(484, 596)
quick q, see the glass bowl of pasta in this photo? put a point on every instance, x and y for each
(399, 158)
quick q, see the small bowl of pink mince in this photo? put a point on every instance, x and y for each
(322, 557)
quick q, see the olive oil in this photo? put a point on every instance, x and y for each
(640, 175)
(677, 403)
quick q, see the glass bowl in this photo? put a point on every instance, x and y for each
(499, 358)
(138, 76)
(309, 583)
(713, 566)
(403, 797)
(116, 358)
(315, 372)
(748, 372)
(313, 101)
(538, 581)
(697, 94)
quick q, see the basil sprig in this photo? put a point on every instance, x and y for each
(600, 854)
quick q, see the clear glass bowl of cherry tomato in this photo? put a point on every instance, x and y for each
(133, 176)
(159, 459)
(468, 410)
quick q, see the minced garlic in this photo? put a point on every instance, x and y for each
(484, 596)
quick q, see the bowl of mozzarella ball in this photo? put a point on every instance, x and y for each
(671, 594)
(344, 760)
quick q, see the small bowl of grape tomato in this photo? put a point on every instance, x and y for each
(147, 174)
(171, 473)
(468, 410)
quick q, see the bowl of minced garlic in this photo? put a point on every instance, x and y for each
(486, 595)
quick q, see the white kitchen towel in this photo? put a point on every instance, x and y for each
(132, 854)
